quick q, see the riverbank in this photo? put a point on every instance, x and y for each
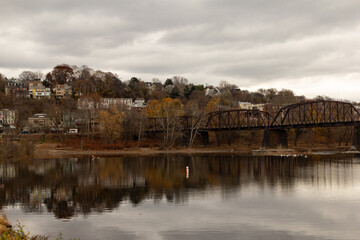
(43, 151)
(52, 150)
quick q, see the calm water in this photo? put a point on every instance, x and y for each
(218, 197)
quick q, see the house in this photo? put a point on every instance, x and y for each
(245, 105)
(39, 121)
(212, 92)
(36, 83)
(139, 103)
(16, 89)
(260, 106)
(37, 90)
(157, 86)
(63, 91)
(111, 102)
(250, 106)
(7, 118)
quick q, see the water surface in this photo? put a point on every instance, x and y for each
(186, 197)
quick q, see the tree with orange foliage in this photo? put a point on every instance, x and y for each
(111, 124)
(167, 112)
(213, 104)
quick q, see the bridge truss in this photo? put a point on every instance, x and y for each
(300, 115)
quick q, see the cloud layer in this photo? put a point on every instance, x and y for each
(253, 44)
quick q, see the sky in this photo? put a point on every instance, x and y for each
(311, 47)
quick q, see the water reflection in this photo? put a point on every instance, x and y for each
(81, 186)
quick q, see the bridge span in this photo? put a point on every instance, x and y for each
(307, 114)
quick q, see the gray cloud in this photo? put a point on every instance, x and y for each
(250, 43)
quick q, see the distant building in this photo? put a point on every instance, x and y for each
(250, 106)
(156, 86)
(111, 102)
(245, 105)
(39, 120)
(139, 103)
(260, 106)
(16, 89)
(63, 91)
(37, 91)
(212, 92)
(7, 118)
(36, 83)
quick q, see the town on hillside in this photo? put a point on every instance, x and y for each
(81, 100)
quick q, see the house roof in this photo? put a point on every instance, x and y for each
(39, 116)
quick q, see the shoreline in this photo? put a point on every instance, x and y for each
(47, 151)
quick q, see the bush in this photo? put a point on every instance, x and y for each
(19, 234)
(10, 148)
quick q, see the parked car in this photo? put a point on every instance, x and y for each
(73, 130)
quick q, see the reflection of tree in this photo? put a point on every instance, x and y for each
(70, 187)
(61, 209)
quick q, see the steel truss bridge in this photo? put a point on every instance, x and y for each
(307, 114)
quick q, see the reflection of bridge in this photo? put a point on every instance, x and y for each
(307, 114)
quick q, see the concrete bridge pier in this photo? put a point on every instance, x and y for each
(204, 138)
(355, 146)
(275, 138)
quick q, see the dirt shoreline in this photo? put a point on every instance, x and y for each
(46, 151)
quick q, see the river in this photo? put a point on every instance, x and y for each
(186, 197)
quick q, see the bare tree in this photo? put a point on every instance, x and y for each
(26, 76)
(196, 110)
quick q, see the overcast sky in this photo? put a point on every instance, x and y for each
(311, 47)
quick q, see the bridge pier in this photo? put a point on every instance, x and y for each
(275, 138)
(204, 138)
(186, 138)
(355, 146)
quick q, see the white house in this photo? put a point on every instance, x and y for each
(245, 105)
(110, 102)
(139, 103)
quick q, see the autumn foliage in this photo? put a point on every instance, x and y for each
(111, 124)
(167, 111)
